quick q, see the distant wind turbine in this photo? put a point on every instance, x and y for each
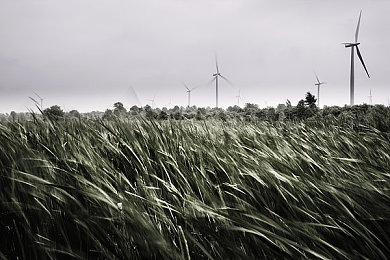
(216, 75)
(318, 84)
(152, 101)
(170, 103)
(189, 93)
(238, 98)
(353, 46)
(370, 98)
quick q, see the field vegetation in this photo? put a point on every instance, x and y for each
(228, 188)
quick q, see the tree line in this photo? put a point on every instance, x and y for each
(305, 110)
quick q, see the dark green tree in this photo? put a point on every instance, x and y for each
(108, 115)
(119, 109)
(163, 115)
(178, 115)
(310, 100)
(301, 109)
(14, 116)
(74, 114)
(199, 115)
(54, 113)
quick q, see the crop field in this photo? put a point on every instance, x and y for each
(147, 189)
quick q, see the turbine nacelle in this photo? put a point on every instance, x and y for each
(217, 74)
(348, 45)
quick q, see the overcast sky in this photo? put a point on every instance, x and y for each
(87, 54)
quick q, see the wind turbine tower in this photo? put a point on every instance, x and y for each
(370, 98)
(152, 101)
(318, 84)
(170, 103)
(354, 45)
(238, 98)
(189, 93)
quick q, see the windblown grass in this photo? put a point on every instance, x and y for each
(147, 189)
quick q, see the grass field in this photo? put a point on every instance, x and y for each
(93, 189)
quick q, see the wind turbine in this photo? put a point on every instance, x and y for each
(370, 99)
(152, 100)
(189, 93)
(238, 98)
(216, 75)
(318, 84)
(170, 103)
(354, 45)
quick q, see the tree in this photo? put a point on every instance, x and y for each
(249, 106)
(163, 115)
(199, 115)
(14, 116)
(178, 115)
(281, 107)
(234, 109)
(74, 114)
(310, 100)
(134, 110)
(54, 113)
(119, 109)
(108, 115)
(222, 115)
(301, 109)
(176, 108)
(149, 112)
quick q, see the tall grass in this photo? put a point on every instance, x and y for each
(91, 189)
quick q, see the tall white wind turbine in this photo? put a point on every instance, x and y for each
(318, 84)
(216, 75)
(354, 45)
(189, 93)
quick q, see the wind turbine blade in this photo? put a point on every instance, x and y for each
(211, 81)
(228, 81)
(317, 77)
(361, 59)
(134, 93)
(186, 87)
(216, 64)
(357, 28)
